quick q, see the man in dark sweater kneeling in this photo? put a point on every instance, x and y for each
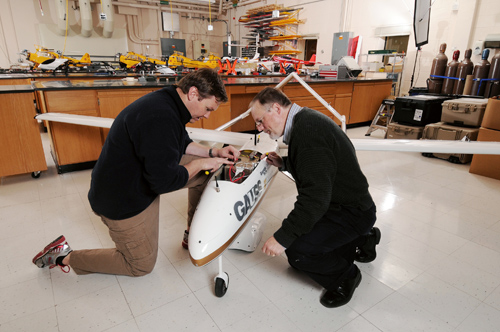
(331, 224)
(147, 152)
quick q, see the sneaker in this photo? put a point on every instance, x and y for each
(185, 240)
(48, 256)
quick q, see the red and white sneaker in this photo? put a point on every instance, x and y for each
(48, 256)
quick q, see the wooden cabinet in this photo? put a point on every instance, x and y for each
(112, 102)
(73, 144)
(70, 143)
(15, 81)
(20, 141)
(366, 99)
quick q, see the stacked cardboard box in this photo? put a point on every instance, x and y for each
(488, 165)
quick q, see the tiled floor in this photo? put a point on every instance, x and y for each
(438, 265)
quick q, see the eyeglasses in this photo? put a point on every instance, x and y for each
(258, 122)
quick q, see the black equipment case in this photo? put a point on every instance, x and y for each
(419, 110)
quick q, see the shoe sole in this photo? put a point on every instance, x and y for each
(350, 297)
(60, 240)
(378, 235)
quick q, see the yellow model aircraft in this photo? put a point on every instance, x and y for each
(43, 54)
(133, 60)
(178, 59)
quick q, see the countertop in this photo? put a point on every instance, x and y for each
(154, 82)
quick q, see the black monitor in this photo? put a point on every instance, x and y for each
(169, 45)
(421, 19)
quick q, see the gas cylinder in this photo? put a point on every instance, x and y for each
(481, 70)
(493, 87)
(438, 68)
(464, 68)
(451, 71)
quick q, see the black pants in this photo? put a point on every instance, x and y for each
(327, 252)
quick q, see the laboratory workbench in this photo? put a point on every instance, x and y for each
(74, 146)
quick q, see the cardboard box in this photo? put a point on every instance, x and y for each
(485, 164)
(396, 68)
(491, 119)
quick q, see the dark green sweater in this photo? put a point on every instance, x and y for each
(323, 162)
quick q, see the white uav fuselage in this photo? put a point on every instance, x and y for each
(229, 203)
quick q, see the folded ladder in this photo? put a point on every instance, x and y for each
(383, 117)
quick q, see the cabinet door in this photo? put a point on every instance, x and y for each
(361, 106)
(343, 106)
(72, 144)
(15, 81)
(366, 100)
(111, 103)
(239, 105)
(20, 141)
(217, 118)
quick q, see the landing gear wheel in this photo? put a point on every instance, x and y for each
(221, 284)
(35, 175)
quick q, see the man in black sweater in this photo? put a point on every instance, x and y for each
(331, 224)
(147, 153)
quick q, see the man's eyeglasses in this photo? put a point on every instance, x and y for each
(258, 122)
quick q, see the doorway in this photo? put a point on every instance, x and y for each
(310, 48)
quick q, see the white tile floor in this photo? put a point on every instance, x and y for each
(438, 265)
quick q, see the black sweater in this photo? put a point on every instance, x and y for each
(323, 162)
(141, 155)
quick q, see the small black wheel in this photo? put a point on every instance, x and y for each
(220, 287)
(36, 175)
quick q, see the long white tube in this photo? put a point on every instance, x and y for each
(308, 88)
(322, 101)
(360, 144)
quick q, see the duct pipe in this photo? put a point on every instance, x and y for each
(164, 9)
(133, 37)
(107, 9)
(242, 3)
(61, 16)
(86, 17)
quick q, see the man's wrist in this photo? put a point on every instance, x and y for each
(210, 153)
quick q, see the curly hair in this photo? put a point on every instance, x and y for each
(208, 83)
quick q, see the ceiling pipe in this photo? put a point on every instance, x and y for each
(165, 9)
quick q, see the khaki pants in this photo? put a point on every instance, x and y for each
(136, 238)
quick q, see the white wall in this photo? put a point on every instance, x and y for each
(458, 28)
(21, 21)
(321, 17)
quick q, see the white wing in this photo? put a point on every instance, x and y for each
(239, 139)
